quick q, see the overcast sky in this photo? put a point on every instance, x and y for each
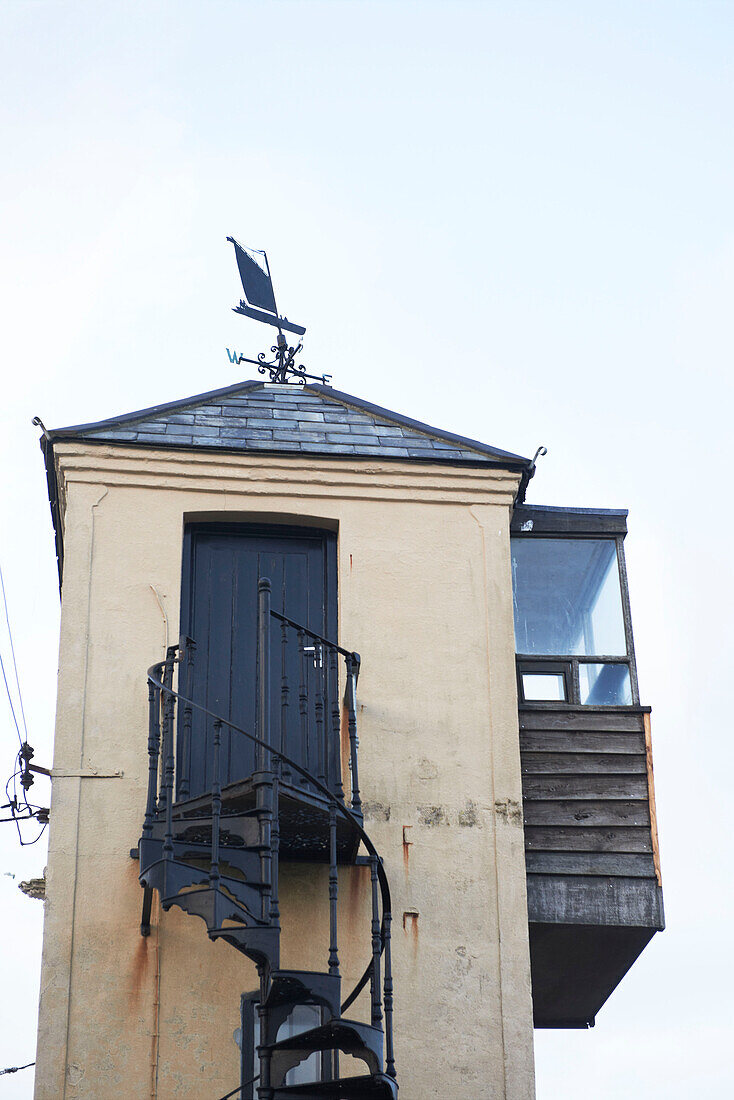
(512, 220)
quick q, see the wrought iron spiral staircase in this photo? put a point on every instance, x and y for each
(217, 855)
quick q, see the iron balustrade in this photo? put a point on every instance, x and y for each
(318, 681)
(320, 735)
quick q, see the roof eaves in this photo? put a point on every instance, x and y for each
(47, 449)
(430, 457)
(560, 510)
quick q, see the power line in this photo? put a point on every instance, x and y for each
(25, 811)
(14, 1069)
(20, 810)
(15, 665)
(10, 700)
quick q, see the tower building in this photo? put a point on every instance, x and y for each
(327, 684)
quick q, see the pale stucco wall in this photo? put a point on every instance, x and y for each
(425, 596)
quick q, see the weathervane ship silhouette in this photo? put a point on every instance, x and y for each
(259, 304)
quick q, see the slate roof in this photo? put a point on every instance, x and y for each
(288, 419)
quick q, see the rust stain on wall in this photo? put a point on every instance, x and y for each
(357, 876)
(407, 844)
(139, 970)
(410, 927)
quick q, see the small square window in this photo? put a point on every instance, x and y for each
(544, 687)
(605, 685)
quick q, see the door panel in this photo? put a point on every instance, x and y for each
(219, 611)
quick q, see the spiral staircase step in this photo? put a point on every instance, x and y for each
(260, 943)
(245, 861)
(349, 1036)
(304, 816)
(376, 1086)
(304, 987)
(213, 906)
(237, 830)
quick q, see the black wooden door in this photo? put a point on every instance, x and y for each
(222, 566)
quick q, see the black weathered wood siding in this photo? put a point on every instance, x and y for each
(594, 893)
(587, 808)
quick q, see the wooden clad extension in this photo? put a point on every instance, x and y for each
(586, 795)
(592, 862)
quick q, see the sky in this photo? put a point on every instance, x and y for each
(511, 220)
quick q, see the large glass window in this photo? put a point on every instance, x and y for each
(567, 597)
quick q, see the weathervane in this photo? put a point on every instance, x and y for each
(259, 303)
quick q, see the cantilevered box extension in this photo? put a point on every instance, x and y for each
(593, 870)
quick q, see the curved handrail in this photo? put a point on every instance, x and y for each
(312, 634)
(341, 808)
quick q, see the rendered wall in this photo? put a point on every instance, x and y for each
(425, 596)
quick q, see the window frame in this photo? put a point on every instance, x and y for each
(248, 1026)
(541, 522)
(549, 666)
